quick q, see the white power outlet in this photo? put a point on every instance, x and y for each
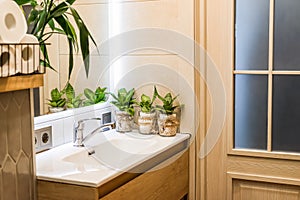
(43, 139)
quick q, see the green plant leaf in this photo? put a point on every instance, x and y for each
(61, 103)
(145, 98)
(22, 2)
(114, 96)
(168, 101)
(52, 104)
(51, 24)
(84, 35)
(69, 105)
(90, 95)
(32, 16)
(88, 103)
(55, 94)
(70, 93)
(52, 12)
(129, 95)
(59, 10)
(68, 29)
(41, 23)
(124, 100)
(71, 59)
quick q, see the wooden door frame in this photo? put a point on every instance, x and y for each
(214, 32)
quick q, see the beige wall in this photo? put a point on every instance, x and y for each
(108, 18)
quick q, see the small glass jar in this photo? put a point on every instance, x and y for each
(147, 122)
(124, 121)
(56, 109)
(168, 125)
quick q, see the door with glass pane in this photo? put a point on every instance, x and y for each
(259, 60)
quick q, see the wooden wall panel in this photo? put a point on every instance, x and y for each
(251, 190)
(16, 139)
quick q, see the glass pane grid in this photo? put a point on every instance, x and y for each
(282, 71)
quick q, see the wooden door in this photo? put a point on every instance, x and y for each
(240, 167)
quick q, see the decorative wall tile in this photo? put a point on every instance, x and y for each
(26, 127)
(9, 179)
(1, 191)
(13, 130)
(16, 140)
(3, 138)
(4, 101)
(24, 177)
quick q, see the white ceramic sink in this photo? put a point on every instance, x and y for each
(112, 154)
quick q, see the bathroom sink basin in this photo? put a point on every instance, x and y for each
(105, 156)
(116, 152)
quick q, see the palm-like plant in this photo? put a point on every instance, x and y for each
(50, 13)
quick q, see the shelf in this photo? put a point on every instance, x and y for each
(21, 82)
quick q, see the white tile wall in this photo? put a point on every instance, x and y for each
(99, 76)
(95, 16)
(62, 123)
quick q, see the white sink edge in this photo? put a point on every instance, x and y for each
(94, 178)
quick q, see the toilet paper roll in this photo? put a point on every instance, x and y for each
(13, 25)
(8, 60)
(29, 54)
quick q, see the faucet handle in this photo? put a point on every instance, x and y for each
(89, 119)
(80, 122)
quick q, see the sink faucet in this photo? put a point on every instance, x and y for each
(78, 131)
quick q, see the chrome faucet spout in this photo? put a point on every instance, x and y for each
(78, 131)
(99, 129)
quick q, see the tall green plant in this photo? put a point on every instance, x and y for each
(55, 15)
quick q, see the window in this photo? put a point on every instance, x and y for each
(267, 75)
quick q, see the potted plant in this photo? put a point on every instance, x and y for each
(167, 120)
(147, 117)
(124, 101)
(99, 96)
(48, 17)
(72, 101)
(56, 103)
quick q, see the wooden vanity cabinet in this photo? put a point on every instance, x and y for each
(169, 182)
(17, 175)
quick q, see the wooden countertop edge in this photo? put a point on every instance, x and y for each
(21, 82)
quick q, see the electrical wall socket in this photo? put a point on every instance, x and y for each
(43, 139)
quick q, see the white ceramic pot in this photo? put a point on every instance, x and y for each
(124, 121)
(147, 122)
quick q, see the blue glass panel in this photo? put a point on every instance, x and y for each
(251, 100)
(252, 34)
(286, 113)
(287, 35)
